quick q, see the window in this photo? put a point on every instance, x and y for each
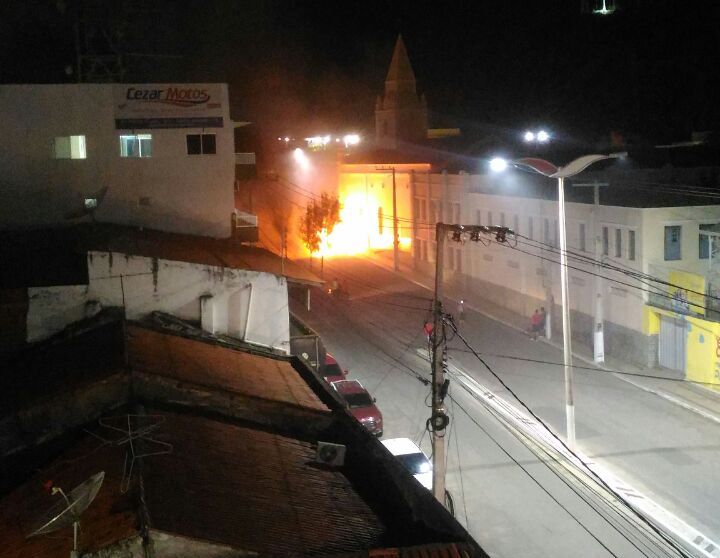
(70, 147)
(478, 217)
(530, 228)
(516, 224)
(456, 212)
(502, 219)
(618, 243)
(433, 212)
(631, 245)
(200, 144)
(380, 220)
(672, 242)
(546, 231)
(137, 145)
(606, 241)
(489, 223)
(581, 236)
(705, 241)
(556, 234)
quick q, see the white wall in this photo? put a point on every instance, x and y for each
(249, 305)
(531, 274)
(690, 219)
(191, 194)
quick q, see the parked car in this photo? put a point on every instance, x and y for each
(360, 404)
(413, 458)
(331, 370)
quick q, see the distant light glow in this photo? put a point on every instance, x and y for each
(351, 139)
(424, 467)
(543, 136)
(498, 164)
(301, 158)
(529, 136)
(287, 139)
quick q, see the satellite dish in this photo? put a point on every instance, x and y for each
(68, 510)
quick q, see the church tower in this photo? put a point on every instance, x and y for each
(400, 113)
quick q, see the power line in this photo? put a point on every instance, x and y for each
(652, 289)
(560, 441)
(592, 261)
(590, 368)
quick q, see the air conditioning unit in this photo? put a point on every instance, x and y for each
(330, 454)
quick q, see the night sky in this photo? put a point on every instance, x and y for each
(648, 71)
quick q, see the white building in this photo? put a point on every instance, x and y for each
(150, 155)
(223, 287)
(648, 322)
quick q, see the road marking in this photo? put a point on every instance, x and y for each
(536, 431)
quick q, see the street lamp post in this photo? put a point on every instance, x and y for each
(546, 168)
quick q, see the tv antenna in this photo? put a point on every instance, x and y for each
(134, 431)
(68, 510)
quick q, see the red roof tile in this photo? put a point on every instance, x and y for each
(209, 365)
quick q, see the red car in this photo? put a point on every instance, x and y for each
(331, 370)
(361, 405)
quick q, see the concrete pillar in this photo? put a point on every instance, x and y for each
(208, 314)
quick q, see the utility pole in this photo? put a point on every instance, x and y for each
(598, 324)
(438, 417)
(598, 333)
(396, 240)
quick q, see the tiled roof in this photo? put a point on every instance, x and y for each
(230, 478)
(255, 491)
(217, 367)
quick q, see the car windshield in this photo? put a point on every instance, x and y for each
(415, 462)
(355, 400)
(331, 370)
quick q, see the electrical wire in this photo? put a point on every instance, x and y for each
(590, 368)
(599, 479)
(460, 471)
(592, 261)
(531, 477)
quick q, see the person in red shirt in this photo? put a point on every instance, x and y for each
(535, 324)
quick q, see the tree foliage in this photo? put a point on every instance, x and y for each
(320, 215)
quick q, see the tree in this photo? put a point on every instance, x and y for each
(320, 216)
(310, 227)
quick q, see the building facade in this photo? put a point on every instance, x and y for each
(145, 155)
(656, 276)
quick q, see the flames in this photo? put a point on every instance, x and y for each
(363, 227)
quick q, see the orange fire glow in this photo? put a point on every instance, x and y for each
(359, 230)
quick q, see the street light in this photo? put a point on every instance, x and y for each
(546, 168)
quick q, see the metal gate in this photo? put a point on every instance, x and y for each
(673, 343)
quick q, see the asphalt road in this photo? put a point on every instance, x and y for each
(513, 503)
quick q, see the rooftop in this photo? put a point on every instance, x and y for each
(225, 448)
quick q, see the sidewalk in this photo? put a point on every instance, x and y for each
(703, 401)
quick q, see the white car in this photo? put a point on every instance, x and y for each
(413, 458)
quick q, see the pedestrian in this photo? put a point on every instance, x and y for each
(535, 321)
(334, 286)
(428, 328)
